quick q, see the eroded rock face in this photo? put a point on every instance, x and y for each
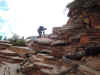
(94, 63)
(49, 65)
(10, 69)
(53, 63)
(45, 62)
(9, 60)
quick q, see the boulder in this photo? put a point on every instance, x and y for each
(43, 41)
(58, 42)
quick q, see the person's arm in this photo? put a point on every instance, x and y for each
(45, 29)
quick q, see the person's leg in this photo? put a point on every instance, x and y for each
(43, 33)
(40, 34)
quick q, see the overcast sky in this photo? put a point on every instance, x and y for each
(25, 16)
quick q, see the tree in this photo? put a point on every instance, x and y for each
(16, 41)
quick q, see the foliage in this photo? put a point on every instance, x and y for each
(0, 37)
(16, 41)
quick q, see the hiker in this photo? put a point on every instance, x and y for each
(41, 31)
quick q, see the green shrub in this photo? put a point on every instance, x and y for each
(16, 41)
(0, 37)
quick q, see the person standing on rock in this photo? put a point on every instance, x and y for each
(41, 31)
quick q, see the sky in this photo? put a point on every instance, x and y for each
(23, 17)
